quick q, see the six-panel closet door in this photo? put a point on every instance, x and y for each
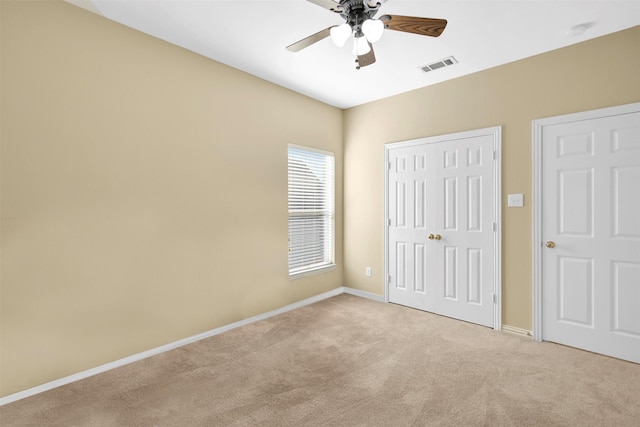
(442, 224)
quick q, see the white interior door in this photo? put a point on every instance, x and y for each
(465, 220)
(442, 225)
(411, 192)
(590, 232)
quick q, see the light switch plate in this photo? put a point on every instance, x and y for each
(515, 200)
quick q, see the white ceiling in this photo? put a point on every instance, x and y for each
(251, 35)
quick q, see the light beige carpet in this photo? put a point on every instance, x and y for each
(348, 361)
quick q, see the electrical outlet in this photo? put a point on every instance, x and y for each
(367, 271)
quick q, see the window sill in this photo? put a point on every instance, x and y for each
(312, 272)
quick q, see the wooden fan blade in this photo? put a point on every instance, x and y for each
(308, 41)
(367, 59)
(412, 24)
(333, 6)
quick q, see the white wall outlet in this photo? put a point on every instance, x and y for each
(515, 200)
(367, 271)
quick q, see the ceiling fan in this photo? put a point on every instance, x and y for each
(366, 30)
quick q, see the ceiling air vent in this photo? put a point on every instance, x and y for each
(439, 64)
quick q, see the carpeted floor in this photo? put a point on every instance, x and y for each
(349, 361)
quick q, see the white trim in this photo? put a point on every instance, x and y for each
(537, 130)
(312, 272)
(171, 346)
(536, 250)
(516, 331)
(364, 294)
(315, 150)
(496, 132)
(497, 236)
(387, 221)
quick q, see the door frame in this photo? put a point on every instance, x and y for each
(537, 240)
(496, 133)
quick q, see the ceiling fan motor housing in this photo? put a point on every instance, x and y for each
(355, 12)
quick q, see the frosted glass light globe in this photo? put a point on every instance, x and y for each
(340, 34)
(361, 46)
(373, 29)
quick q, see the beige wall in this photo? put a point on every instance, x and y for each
(599, 73)
(144, 192)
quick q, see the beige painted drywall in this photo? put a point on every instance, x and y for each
(598, 73)
(144, 192)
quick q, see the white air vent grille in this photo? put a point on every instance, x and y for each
(446, 62)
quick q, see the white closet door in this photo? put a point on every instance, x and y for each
(442, 224)
(411, 215)
(464, 212)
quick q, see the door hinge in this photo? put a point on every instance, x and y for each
(389, 221)
(495, 299)
(495, 154)
(389, 165)
(494, 226)
(388, 279)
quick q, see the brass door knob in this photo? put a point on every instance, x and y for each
(431, 237)
(550, 244)
(438, 237)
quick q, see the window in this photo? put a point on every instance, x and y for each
(311, 211)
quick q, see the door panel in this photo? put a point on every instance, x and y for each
(401, 265)
(575, 209)
(474, 270)
(626, 316)
(450, 205)
(420, 197)
(441, 234)
(401, 204)
(474, 204)
(450, 273)
(591, 211)
(625, 208)
(420, 276)
(575, 291)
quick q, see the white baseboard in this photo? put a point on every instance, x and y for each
(164, 348)
(516, 331)
(363, 294)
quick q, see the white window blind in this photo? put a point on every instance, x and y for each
(311, 210)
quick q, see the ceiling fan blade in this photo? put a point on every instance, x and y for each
(412, 24)
(367, 59)
(333, 6)
(308, 41)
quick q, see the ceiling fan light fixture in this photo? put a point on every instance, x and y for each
(373, 29)
(361, 46)
(366, 30)
(340, 34)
